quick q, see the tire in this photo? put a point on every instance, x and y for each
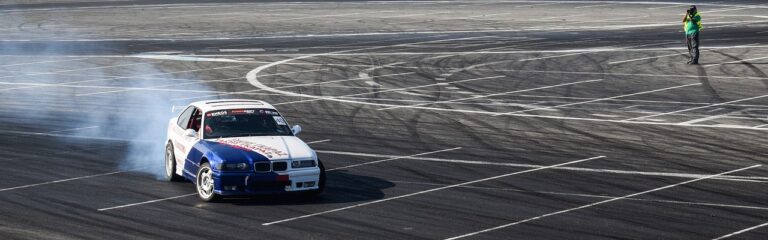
(204, 183)
(170, 165)
(320, 183)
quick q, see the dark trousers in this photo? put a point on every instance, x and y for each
(693, 47)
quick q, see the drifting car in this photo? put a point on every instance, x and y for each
(240, 147)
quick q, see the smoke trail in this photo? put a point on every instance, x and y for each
(54, 94)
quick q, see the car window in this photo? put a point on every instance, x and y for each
(183, 121)
(244, 122)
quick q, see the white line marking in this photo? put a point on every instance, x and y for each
(709, 118)
(601, 5)
(50, 61)
(596, 196)
(494, 94)
(140, 76)
(667, 55)
(318, 98)
(428, 191)
(394, 158)
(741, 231)
(600, 202)
(577, 169)
(145, 202)
(292, 86)
(593, 50)
(597, 100)
(690, 109)
(737, 61)
(59, 181)
(76, 69)
(73, 129)
(319, 141)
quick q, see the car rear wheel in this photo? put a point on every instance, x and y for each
(204, 182)
(170, 164)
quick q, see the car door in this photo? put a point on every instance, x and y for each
(183, 143)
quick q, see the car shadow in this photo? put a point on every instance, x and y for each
(341, 187)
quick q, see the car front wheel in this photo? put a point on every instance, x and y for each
(204, 182)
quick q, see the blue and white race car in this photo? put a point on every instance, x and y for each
(240, 147)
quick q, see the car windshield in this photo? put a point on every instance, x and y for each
(243, 123)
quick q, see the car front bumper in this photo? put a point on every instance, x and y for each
(251, 183)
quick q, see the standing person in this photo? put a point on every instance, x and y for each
(692, 26)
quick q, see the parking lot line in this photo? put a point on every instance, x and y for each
(394, 158)
(596, 196)
(316, 98)
(741, 231)
(491, 95)
(59, 181)
(691, 109)
(145, 202)
(599, 99)
(292, 86)
(430, 190)
(577, 169)
(601, 202)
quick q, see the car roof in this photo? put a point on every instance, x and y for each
(222, 104)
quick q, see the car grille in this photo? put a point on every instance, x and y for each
(261, 167)
(279, 166)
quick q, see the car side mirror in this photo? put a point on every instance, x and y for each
(296, 129)
(190, 133)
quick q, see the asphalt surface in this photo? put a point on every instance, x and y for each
(437, 119)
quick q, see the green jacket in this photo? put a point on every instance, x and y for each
(691, 28)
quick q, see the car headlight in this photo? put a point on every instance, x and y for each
(232, 166)
(303, 164)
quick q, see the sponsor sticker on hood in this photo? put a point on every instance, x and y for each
(267, 151)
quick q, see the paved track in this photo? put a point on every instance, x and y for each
(438, 119)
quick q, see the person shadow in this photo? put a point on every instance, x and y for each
(341, 187)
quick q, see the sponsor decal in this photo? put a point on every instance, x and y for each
(269, 152)
(179, 146)
(280, 120)
(214, 114)
(242, 111)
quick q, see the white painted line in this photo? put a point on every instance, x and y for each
(593, 50)
(428, 191)
(316, 98)
(629, 74)
(600, 5)
(394, 158)
(576, 169)
(319, 141)
(709, 118)
(50, 61)
(667, 55)
(600, 202)
(73, 129)
(737, 61)
(291, 86)
(494, 94)
(242, 50)
(597, 196)
(535, 5)
(690, 109)
(145, 202)
(77, 69)
(59, 181)
(597, 100)
(140, 76)
(741, 231)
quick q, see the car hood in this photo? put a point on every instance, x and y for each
(264, 147)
